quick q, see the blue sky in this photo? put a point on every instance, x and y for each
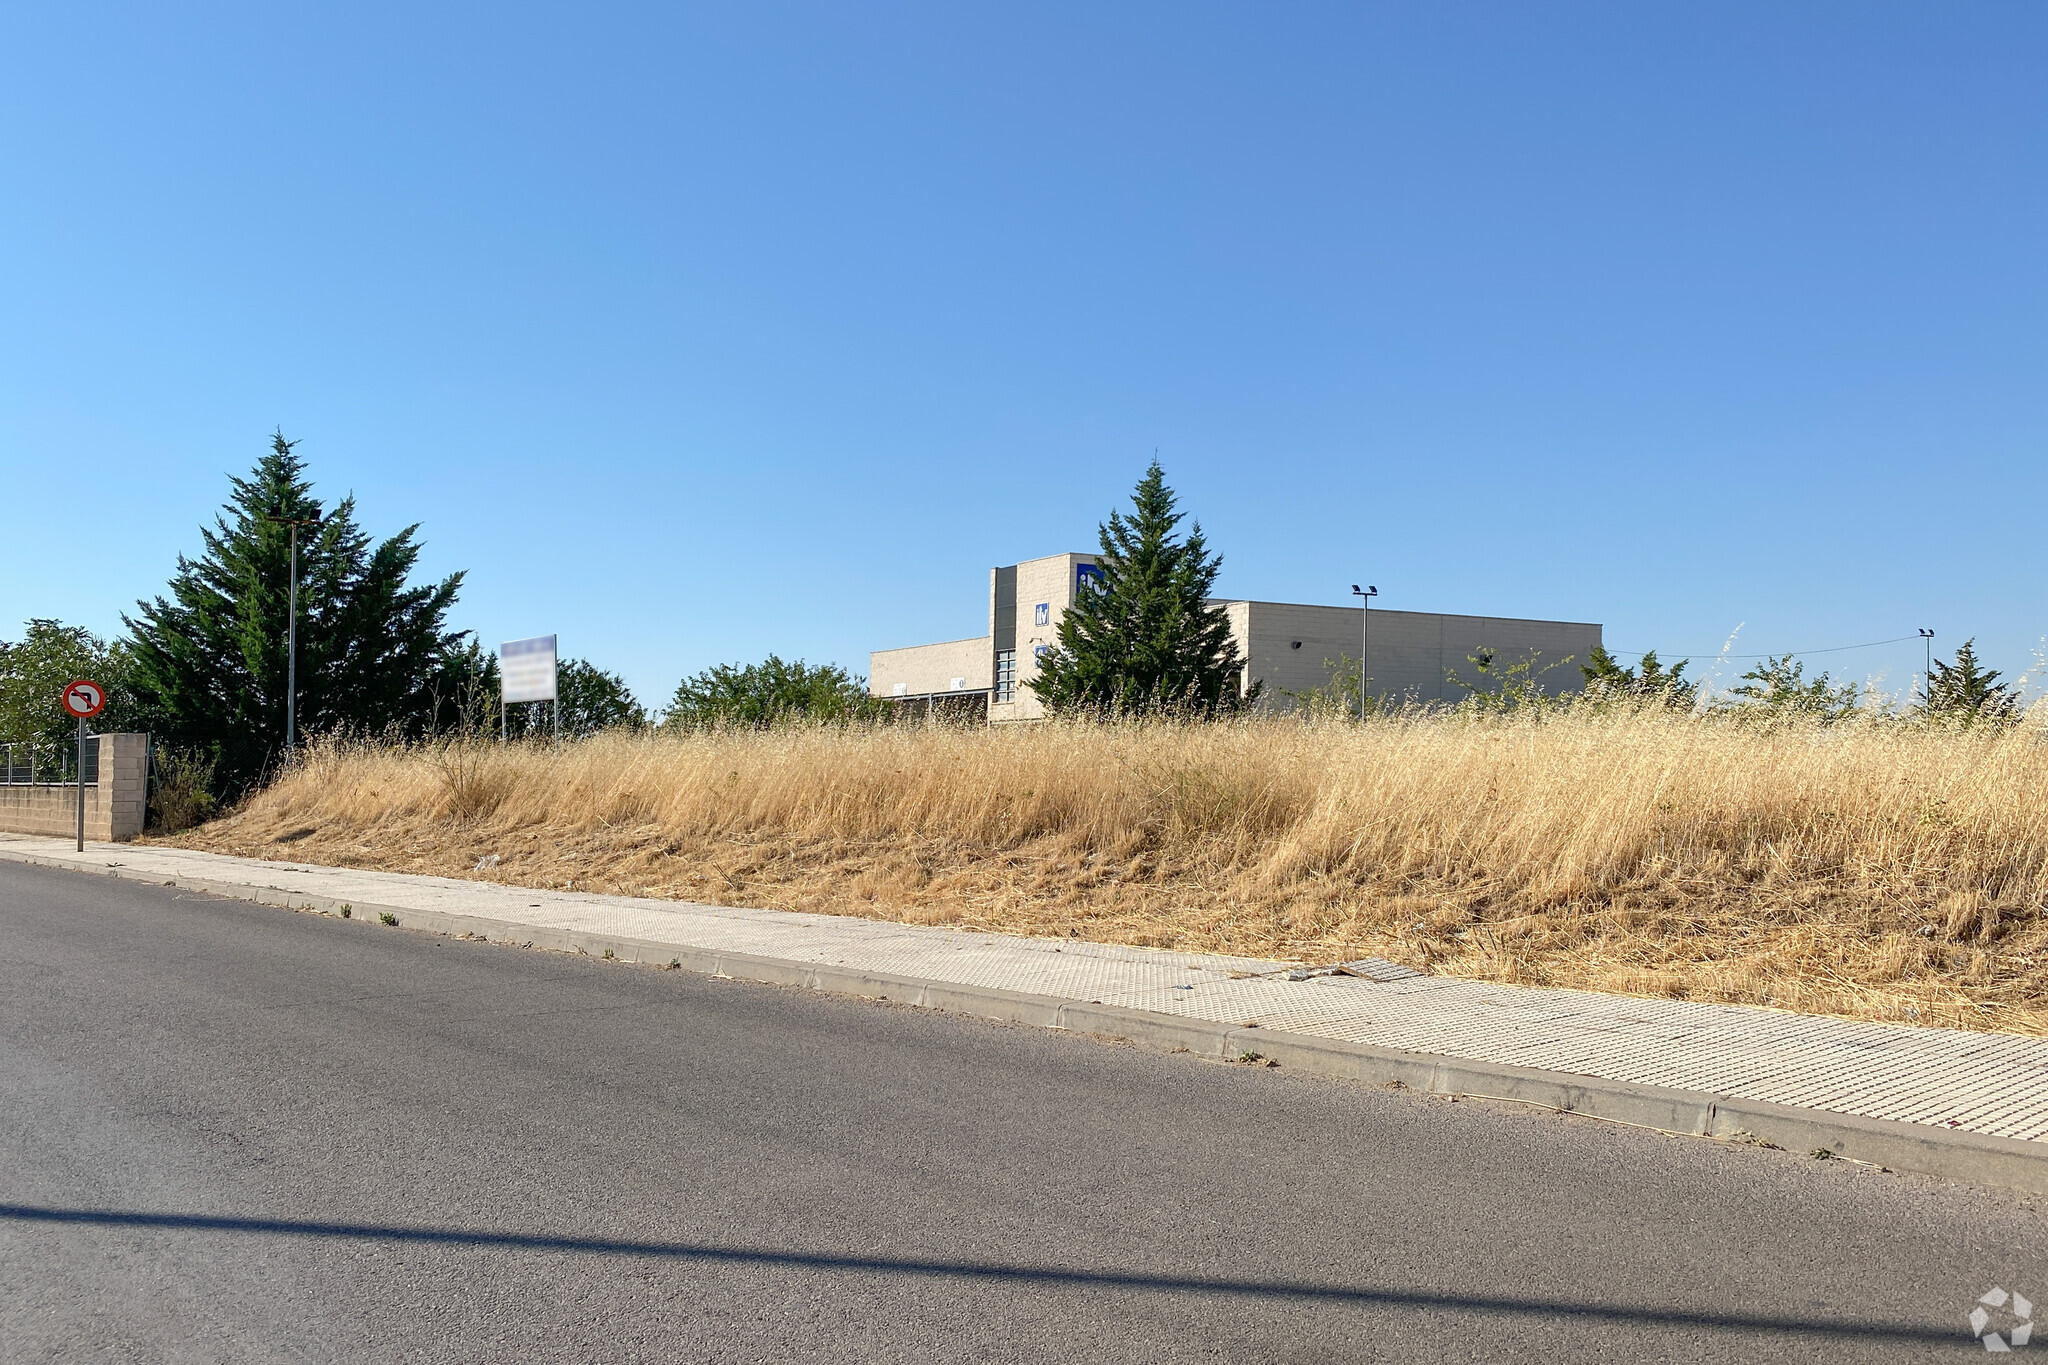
(697, 333)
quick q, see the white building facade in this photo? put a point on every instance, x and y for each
(1288, 647)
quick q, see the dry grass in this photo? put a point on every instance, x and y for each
(1875, 871)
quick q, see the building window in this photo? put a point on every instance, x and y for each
(1006, 675)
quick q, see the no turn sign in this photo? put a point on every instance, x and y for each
(85, 699)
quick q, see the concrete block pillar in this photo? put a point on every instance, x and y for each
(123, 791)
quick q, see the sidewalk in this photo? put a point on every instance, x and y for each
(1972, 1106)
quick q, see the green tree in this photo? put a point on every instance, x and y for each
(1966, 693)
(592, 700)
(768, 693)
(1607, 676)
(34, 671)
(1144, 637)
(374, 651)
(1503, 684)
(1778, 687)
(1336, 698)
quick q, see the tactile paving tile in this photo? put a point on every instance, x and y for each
(1983, 1082)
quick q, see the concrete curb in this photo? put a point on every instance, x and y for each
(1974, 1158)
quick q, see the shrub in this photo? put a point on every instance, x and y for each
(1501, 685)
(181, 795)
(760, 696)
(1777, 689)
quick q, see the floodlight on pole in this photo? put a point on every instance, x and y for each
(1364, 596)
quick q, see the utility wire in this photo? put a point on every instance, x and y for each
(1776, 654)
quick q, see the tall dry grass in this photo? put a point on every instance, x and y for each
(1872, 870)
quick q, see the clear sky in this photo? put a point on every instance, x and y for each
(694, 333)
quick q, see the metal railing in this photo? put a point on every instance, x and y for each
(33, 763)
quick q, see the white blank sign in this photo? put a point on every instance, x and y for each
(527, 668)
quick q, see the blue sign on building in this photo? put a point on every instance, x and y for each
(1041, 615)
(1087, 575)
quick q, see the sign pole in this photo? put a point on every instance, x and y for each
(83, 699)
(527, 674)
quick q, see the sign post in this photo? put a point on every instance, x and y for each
(84, 700)
(526, 671)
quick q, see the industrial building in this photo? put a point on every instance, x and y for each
(1287, 646)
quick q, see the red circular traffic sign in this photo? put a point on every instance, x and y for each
(84, 699)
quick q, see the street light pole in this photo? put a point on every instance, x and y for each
(291, 658)
(291, 637)
(1927, 673)
(1364, 596)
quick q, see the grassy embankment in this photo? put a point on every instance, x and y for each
(1875, 871)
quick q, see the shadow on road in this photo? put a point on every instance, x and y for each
(1832, 1329)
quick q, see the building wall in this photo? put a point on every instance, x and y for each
(924, 669)
(1240, 614)
(1002, 607)
(1289, 647)
(114, 806)
(1410, 651)
(1048, 583)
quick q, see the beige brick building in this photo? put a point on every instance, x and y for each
(1286, 646)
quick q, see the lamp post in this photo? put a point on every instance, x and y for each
(291, 647)
(1927, 672)
(1364, 596)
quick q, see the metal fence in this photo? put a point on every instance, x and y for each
(35, 763)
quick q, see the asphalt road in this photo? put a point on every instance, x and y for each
(232, 1132)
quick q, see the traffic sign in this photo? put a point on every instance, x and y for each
(85, 699)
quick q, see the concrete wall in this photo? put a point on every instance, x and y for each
(114, 806)
(1410, 650)
(924, 669)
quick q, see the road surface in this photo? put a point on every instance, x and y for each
(230, 1132)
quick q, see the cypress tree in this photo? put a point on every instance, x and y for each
(1607, 676)
(1965, 692)
(373, 652)
(1143, 638)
